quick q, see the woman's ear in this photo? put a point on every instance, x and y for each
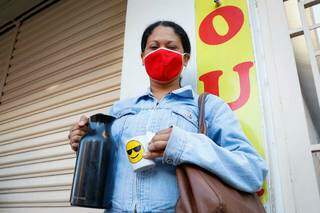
(186, 58)
(142, 56)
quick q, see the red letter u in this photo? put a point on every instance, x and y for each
(211, 83)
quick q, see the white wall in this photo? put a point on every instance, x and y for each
(140, 14)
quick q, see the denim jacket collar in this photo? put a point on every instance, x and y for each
(185, 92)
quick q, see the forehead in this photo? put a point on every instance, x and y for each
(163, 33)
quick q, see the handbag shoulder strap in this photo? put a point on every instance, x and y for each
(201, 118)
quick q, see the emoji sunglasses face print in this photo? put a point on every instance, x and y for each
(134, 151)
(135, 147)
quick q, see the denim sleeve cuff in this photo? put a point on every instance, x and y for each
(175, 147)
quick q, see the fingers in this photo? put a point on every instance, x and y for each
(83, 121)
(75, 146)
(155, 149)
(77, 131)
(157, 146)
(76, 127)
(81, 124)
(74, 142)
(75, 139)
(162, 135)
(158, 143)
(164, 131)
(152, 155)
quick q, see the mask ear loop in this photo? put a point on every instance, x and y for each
(184, 67)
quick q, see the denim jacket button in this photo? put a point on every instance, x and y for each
(169, 161)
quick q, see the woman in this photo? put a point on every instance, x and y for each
(171, 111)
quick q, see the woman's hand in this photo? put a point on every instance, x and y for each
(77, 131)
(158, 144)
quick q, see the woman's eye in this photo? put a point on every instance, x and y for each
(172, 47)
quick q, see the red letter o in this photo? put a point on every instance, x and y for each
(233, 16)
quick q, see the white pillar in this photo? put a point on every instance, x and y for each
(293, 180)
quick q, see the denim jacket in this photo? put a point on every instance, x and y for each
(224, 151)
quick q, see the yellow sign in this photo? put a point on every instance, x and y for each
(226, 64)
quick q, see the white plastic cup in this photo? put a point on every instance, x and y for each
(135, 147)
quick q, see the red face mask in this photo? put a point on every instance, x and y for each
(163, 64)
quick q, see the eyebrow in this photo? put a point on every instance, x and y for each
(171, 41)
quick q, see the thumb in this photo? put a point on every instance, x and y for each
(83, 120)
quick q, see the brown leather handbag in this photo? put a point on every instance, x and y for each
(203, 192)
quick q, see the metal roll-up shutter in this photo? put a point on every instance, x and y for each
(6, 48)
(66, 62)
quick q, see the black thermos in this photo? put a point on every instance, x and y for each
(93, 179)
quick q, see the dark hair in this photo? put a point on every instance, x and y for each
(176, 28)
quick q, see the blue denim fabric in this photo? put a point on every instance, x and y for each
(225, 150)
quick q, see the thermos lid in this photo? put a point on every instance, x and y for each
(102, 118)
